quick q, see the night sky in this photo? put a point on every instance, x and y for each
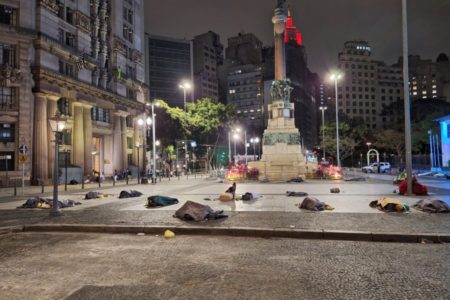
(325, 24)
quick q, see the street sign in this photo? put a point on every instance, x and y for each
(23, 158)
(23, 149)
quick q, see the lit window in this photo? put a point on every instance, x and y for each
(415, 93)
(434, 86)
(434, 92)
(434, 96)
(424, 97)
(414, 87)
(238, 111)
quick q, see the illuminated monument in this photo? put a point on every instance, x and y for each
(282, 157)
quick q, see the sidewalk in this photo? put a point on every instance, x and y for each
(274, 213)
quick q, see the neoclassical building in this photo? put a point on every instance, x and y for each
(83, 58)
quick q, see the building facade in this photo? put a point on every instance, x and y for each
(368, 87)
(241, 78)
(429, 79)
(83, 59)
(169, 62)
(208, 55)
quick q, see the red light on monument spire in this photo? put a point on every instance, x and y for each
(292, 33)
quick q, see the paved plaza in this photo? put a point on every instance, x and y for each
(272, 210)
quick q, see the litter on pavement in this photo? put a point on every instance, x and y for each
(198, 212)
(335, 190)
(169, 234)
(432, 206)
(159, 201)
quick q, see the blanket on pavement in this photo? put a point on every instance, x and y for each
(432, 206)
(198, 212)
(129, 194)
(159, 201)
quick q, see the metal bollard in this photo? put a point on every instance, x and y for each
(15, 188)
(114, 181)
(126, 179)
(82, 182)
(42, 185)
(99, 182)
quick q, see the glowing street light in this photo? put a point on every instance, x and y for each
(57, 124)
(185, 86)
(323, 109)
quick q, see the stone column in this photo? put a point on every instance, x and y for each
(87, 126)
(51, 111)
(117, 144)
(78, 137)
(279, 21)
(123, 127)
(136, 140)
(40, 153)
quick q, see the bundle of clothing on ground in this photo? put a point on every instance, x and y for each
(388, 204)
(296, 194)
(432, 206)
(47, 203)
(314, 204)
(159, 201)
(418, 189)
(193, 211)
(129, 194)
(95, 195)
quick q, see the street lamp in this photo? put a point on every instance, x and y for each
(57, 124)
(185, 86)
(323, 109)
(335, 77)
(152, 121)
(138, 161)
(254, 141)
(235, 138)
(144, 124)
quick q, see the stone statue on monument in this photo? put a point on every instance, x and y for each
(281, 3)
(281, 90)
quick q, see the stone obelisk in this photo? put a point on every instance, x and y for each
(282, 157)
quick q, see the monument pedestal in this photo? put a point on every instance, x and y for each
(282, 157)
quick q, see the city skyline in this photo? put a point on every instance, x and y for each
(427, 25)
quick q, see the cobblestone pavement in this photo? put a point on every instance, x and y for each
(95, 266)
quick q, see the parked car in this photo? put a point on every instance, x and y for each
(373, 168)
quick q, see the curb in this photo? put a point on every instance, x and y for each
(240, 232)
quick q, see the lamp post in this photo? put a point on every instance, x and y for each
(185, 86)
(57, 124)
(254, 141)
(323, 109)
(408, 147)
(335, 77)
(152, 121)
(138, 162)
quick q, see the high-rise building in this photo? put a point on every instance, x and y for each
(368, 87)
(83, 58)
(208, 55)
(244, 48)
(429, 79)
(242, 80)
(169, 62)
(245, 92)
